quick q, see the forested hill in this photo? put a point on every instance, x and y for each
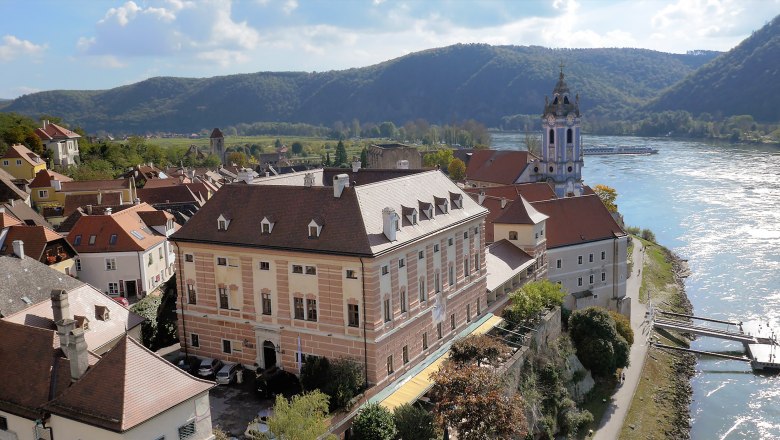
(743, 81)
(442, 85)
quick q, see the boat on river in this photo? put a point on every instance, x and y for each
(599, 150)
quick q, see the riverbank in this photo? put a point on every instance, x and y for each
(660, 408)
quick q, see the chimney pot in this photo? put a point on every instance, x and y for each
(340, 182)
(503, 202)
(356, 166)
(89, 209)
(481, 197)
(107, 211)
(18, 246)
(60, 306)
(389, 223)
(77, 354)
(64, 327)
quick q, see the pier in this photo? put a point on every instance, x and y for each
(762, 353)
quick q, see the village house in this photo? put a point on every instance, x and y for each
(63, 144)
(12, 188)
(487, 168)
(384, 273)
(37, 242)
(21, 163)
(124, 250)
(392, 155)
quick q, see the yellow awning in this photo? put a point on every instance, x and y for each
(418, 384)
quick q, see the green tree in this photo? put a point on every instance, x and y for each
(478, 349)
(304, 417)
(238, 158)
(528, 302)
(441, 158)
(608, 195)
(387, 130)
(341, 155)
(599, 346)
(374, 422)
(648, 235)
(364, 157)
(415, 423)
(297, 148)
(456, 169)
(623, 327)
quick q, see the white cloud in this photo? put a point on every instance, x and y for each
(12, 47)
(289, 6)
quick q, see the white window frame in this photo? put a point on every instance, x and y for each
(43, 193)
(264, 265)
(110, 263)
(113, 288)
(189, 258)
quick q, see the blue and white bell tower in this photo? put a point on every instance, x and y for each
(561, 159)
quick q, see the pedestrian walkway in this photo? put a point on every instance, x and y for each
(612, 421)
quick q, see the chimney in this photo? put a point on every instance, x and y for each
(137, 201)
(107, 211)
(340, 182)
(19, 249)
(100, 198)
(389, 223)
(481, 197)
(245, 174)
(45, 123)
(77, 354)
(308, 180)
(402, 164)
(11, 202)
(60, 308)
(89, 209)
(355, 166)
(56, 184)
(504, 201)
(64, 327)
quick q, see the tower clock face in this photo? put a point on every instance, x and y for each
(570, 119)
(551, 120)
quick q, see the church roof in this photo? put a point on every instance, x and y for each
(561, 103)
(216, 133)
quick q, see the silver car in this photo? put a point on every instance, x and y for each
(227, 374)
(208, 367)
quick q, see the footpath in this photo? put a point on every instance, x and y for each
(612, 421)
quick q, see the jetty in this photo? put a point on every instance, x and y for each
(761, 352)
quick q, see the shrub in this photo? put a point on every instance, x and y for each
(340, 379)
(475, 348)
(623, 327)
(600, 347)
(648, 235)
(147, 308)
(315, 373)
(414, 423)
(374, 422)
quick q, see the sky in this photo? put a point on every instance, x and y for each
(101, 44)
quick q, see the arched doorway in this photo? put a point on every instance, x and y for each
(269, 354)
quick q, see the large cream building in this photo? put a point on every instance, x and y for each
(383, 273)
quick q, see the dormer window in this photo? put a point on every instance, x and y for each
(426, 209)
(223, 222)
(267, 224)
(456, 200)
(315, 227)
(410, 214)
(442, 203)
(101, 313)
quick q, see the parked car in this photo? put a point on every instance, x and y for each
(260, 424)
(209, 367)
(121, 300)
(189, 364)
(227, 374)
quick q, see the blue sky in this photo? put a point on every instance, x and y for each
(100, 44)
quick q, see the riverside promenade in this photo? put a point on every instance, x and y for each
(612, 421)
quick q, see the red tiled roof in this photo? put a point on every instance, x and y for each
(575, 220)
(520, 213)
(54, 131)
(7, 220)
(128, 386)
(216, 133)
(44, 177)
(532, 192)
(75, 201)
(95, 185)
(169, 194)
(502, 167)
(35, 239)
(123, 224)
(18, 151)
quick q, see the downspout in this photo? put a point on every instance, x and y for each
(365, 337)
(180, 282)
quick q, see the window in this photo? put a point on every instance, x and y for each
(436, 248)
(221, 225)
(590, 258)
(187, 431)
(297, 268)
(591, 279)
(603, 276)
(438, 330)
(266, 303)
(603, 255)
(579, 281)
(452, 321)
(311, 270)
(5, 163)
(436, 282)
(476, 263)
(18, 161)
(401, 263)
(265, 265)
(311, 309)
(450, 241)
(405, 352)
(92, 240)
(192, 298)
(353, 315)
(78, 264)
(479, 307)
(351, 274)
(420, 255)
(476, 230)
(425, 340)
(422, 290)
(189, 258)
(43, 193)
(466, 267)
(113, 288)
(298, 306)
(385, 270)
(558, 264)
(452, 275)
(224, 302)
(160, 252)
(513, 235)
(403, 301)
(226, 346)
(265, 228)
(466, 235)
(313, 232)
(110, 263)
(221, 261)
(468, 312)
(390, 364)
(112, 239)
(151, 260)
(388, 312)
(77, 240)
(194, 340)
(579, 259)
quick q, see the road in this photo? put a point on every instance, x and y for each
(612, 421)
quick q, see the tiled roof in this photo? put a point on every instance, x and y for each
(27, 282)
(95, 185)
(25, 214)
(155, 218)
(521, 213)
(44, 177)
(35, 239)
(81, 302)
(504, 261)
(352, 222)
(8, 189)
(54, 131)
(502, 167)
(126, 224)
(167, 194)
(7, 220)
(128, 386)
(74, 201)
(216, 133)
(532, 192)
(33, 371)
(575, 220)
(367, 175)
(18, 151)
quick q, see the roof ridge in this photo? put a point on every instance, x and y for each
(395, 179)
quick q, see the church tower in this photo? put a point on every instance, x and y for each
(561, 150)
(217, 143)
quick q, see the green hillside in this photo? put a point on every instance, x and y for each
(743, 81)
(442, 85)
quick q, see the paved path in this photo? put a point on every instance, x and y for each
(612, 421)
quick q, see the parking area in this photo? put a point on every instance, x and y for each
(234, 406)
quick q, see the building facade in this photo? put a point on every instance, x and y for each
(391, 156)
(21, 163)
(63, 144)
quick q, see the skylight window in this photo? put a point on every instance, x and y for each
(137, 234)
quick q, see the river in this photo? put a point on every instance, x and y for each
(718, 206)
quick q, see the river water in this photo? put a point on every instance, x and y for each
(718, 206)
